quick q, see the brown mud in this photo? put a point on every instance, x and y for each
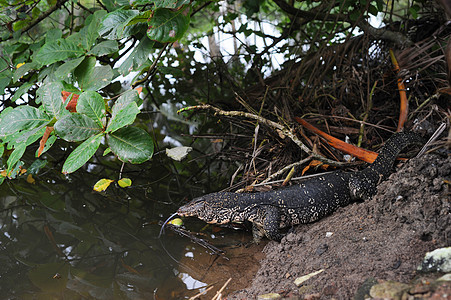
(382, 239)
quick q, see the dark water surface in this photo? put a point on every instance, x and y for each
(61, 240)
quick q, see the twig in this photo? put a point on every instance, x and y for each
(218, 295)
(152, 67)
(41, 17)
(269, 123)
(432, 139)
(201, 293)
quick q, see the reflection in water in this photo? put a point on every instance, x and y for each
(62, 240)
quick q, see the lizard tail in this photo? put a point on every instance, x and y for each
(363, 184)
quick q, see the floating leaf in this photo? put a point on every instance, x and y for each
(176, 222)
(124, 182)
(178, 153)
(102, 184)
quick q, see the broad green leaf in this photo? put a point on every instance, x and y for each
(167, 26)
(82, 154)
(76, 127)
(138, 56)
(90, 32)
(50, 95)
(22, 70)
(5, 76)
(114, 24)
(91, 77)
(104, 48)
(30, 136)
(102, 184)
(16, 155)
(162, 3)
(124, 182)
(57, 50)
(122, 115)
(22, 118)
(53, 34)
(92, 104)
(64, 70)
(131, 144)
(22, 90)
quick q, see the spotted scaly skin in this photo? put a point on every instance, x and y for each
(306, 202)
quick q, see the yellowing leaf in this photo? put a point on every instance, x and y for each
(30, 179)
(125, 182)
(19, 65)
(102, 184)
(176, 222)
(4, 173)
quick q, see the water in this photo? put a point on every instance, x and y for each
(59, 239)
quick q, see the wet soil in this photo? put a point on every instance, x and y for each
(384, 238)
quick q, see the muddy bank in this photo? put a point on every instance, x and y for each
(381, 239)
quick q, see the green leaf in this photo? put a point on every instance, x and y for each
(104, 48)
(123, 114)
(5, 76)
(50, 95)
(21, 118)
(92, 104)
(16, 155)
(21, 71)
(76, 127)
(167, 26)
(21, 90)
(58, 50)
(131, 144)
(64, 70)
(91, 77)
(114, 24)
(82, 154)
(138, 56)
(162, 3)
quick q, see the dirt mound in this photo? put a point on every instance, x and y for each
(381, 239)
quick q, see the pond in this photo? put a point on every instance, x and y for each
(60, 239)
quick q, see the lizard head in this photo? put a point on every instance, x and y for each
(216, 208)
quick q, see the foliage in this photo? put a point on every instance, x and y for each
(46, 64)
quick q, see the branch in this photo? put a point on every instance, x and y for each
(314, 14)
(44, 15)
(269, 123)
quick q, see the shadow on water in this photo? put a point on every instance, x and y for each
(59, 239)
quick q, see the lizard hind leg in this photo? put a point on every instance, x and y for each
(271, 223)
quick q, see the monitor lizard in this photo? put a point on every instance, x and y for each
(306, 202)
